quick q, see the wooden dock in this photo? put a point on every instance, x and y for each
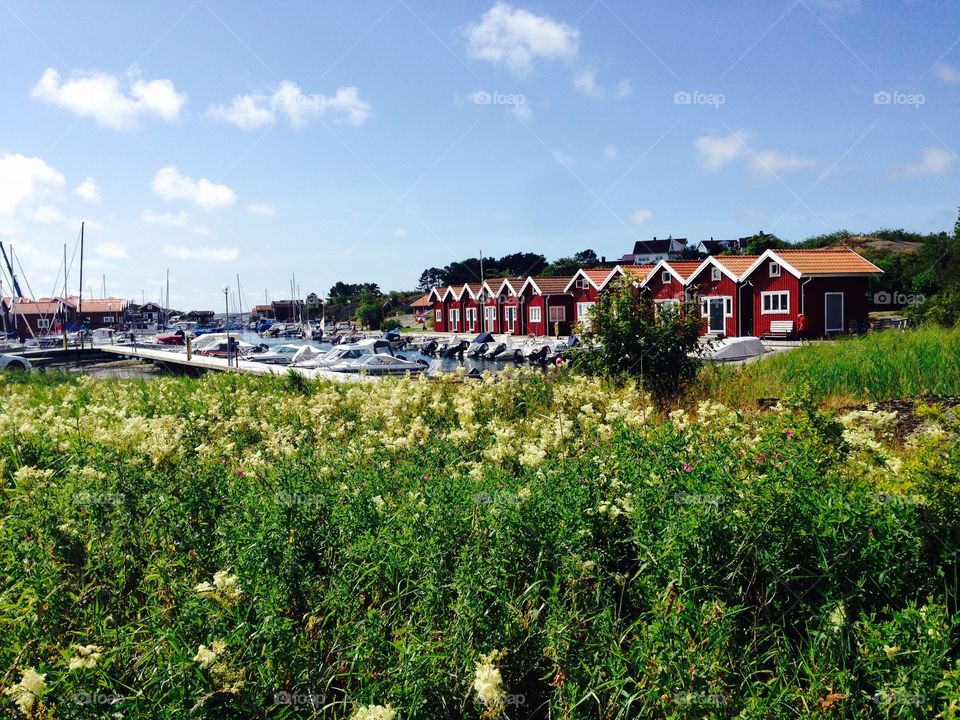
(200, 363)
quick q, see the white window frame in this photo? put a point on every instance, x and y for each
(582, 283)
(536, 314)
(438, 315)
(43, 323)
(715, 274)
(510, 313)
(108, 318)
(583, 313)
(782, 304)
(665, 277)
(489, 318)
(774, 269)
(558, 313)
(472, 318)
(454, 319)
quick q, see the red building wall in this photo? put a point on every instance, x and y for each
(761, 283)
(545, 302)
(702, 286)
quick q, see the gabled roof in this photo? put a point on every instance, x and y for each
(103, 305)
(37, 307)
(655, 246)
(547, 285)
(514, 285)
(733, 266)
(681, 270)
(472, 289)
(824, 262)
(594, 276)
(423, 301)
(638, 273)
(437, 293)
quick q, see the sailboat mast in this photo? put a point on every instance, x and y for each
(80, 297)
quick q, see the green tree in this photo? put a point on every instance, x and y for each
(370, 310)
(630, 337)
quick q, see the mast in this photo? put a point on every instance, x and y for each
(166, 305)
(239, 297)
(80, 297)
(64, 301)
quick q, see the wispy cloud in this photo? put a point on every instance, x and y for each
(639, 217)
(933, 161)
(112, 101)
(947, 73)
(585, 82)
(88, 190)
(719, 151)
(515, 39)
(260, 208)
(201, 254)
(169, 184)
(289, 101)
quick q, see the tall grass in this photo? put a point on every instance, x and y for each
(879, 366)
(388, 538)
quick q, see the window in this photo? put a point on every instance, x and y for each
(582, 283)
(535, 314)
(583, 313)
(665, 277)
(43, 324)
(439, 315)
(108, 318)
(728, 307)
(775, 302)
(454, 319)
(558, 314)
(472, 317)
(774, 270)
(715, 274)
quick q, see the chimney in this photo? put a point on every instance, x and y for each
(654, 237)
(603, 258)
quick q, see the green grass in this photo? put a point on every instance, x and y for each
(386, 538)
(879, 366)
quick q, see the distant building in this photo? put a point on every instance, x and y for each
(29, 318)
(203, 318)
(286, 310)
(716, 247)
(262, 312)
(100, 313)
(650, 252)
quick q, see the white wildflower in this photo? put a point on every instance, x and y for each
(85, 657)
(488, 682)
(374, 712)
(205, 656)
(25, 693)
(224, 588)
(379, 502)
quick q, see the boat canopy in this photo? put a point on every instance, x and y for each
(393, 334)
(483, 338)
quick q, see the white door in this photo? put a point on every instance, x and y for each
(511, 317)
(833, 307)
(489, 313)
(583, 313)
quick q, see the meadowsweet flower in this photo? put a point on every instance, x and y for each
(25, 693)
(374, 712)
(205, 656)
(488, 682)
(891, 650)
(85, 657)
(224, 588)
(379, 502)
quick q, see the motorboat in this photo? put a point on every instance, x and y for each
(339, 354)
(281, 354)
(479, 345)
(228, 348)
(378, 365)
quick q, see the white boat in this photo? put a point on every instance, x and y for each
(283, 354)
(339, 354)
(378, 365)
(734, 349)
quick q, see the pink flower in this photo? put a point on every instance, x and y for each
(241, 473)
(789, 433)
(688, 467)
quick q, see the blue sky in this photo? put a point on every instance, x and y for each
(366, 141)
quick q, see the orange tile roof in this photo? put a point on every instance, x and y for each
(737, 264)
(684, 268)
(597, 275)
(423, 301)
(43, 307)
(553, 285)
(637, 272)
(830, 261)
(475, 288)
(104, 305)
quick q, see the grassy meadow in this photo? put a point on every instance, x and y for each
(526, 546)
(878, 366)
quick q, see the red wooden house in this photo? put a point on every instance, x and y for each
(491, 306)
(549, 307)
(510, 306)
(666, 283)
(471, 298)
(829, 287)
(584, 287)
(439, 298)
(726, 303)
(636, 273)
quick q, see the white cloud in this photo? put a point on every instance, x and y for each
(717, 152)
(110, 250)
(933, 161)
(252, 111)
(88, 190)
(400, 232)
(776, 162)
(169, 184)
(111, 102)
(259, 208)
(179, 219)
(45, 215)
(947, 73)
(202, 254)
(585, 82)
(639, 217)
(24, 180)
(610, 152)
(516, 39)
